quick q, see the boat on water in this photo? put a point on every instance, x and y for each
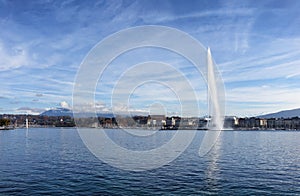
(6, 128)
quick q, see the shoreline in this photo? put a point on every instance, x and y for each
(147, 129)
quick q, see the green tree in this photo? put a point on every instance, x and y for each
(4, 122)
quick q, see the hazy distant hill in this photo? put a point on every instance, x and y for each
(68, 112)
(283, 114)
(58, 112)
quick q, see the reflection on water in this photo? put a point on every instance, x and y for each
(129, 156)
(212, 172)
(55, 161)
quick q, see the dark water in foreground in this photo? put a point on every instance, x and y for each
(55, 161)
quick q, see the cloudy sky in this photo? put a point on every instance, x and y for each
(256, 45)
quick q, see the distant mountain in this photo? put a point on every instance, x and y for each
(58, 112)
(283, 114)
(68, 112)
(88, 114)
(106, 115)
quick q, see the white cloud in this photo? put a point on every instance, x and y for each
(14, 58)
(264, 99)
(231, 30)
(201, 14)
(64, 104)
(29, 110)
(278, 59)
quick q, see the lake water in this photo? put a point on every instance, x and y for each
(55, 161)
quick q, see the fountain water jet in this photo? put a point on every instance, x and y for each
(216, 123)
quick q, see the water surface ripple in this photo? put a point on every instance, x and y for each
(55, 161)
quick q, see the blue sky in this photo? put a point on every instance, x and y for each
(256, 45)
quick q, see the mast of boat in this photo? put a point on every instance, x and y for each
(27, 124)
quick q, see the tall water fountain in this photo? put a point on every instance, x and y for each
(213, 101)
(216, 123)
